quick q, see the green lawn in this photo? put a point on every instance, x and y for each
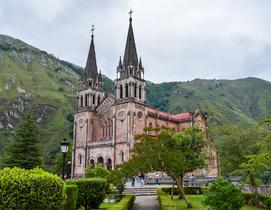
(197, 205)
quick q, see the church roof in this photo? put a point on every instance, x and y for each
(91, 65)
(180, 116)
(130, 54)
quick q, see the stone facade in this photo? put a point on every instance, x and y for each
(105, 125)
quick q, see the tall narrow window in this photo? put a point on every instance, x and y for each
(150, 125)
(93, 99)
(111, 128)
(126, 91)
(80, 159)
(135, 91)
(86, 99)
(122, 156)
(105, 129)
(99, 99)
(139, 92)
(81, 103)
(121, 91)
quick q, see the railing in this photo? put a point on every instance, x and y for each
(190, 181)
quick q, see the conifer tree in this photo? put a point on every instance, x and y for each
(24, 150)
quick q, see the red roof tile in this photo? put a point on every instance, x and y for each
(180, 116)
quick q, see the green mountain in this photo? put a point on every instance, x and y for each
(33, 79)
(242, 101)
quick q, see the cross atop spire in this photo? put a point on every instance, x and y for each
(92, 29)
(130, 13)
(91, 65)
(130, 53)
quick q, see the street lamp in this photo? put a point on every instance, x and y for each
(64, 146)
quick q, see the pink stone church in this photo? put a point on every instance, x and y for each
(105, 125)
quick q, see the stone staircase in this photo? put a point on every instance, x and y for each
(142, 191)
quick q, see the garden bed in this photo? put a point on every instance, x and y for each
(196, 202)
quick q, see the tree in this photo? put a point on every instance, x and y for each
(96, 171)
(173, 153)
(256, 165)
(244, 151)
(234, 144)
(24, 150)
(223, 195)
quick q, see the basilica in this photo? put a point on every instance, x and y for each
(105, 124)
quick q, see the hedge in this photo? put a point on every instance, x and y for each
(165, 201)
(70, 197)
(187, 190)
(91, 192)
(265, 201)
(30, 189)
(126, 203)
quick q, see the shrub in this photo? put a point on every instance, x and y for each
(264, 201)
(70, 196)
(198, 190)
(126, 203)
(164, 201)
(91, 192)
(96, 171)
(223, 195)
(30, 189)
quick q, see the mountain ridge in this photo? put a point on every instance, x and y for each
(34, 79)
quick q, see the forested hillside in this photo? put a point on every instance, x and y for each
(33, 79)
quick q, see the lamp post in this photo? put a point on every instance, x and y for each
(64, 146)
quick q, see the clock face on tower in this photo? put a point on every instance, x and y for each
(139, 115)
(81, 123)
(121, 115)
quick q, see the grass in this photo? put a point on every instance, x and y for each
(197, 205)
(106, 205)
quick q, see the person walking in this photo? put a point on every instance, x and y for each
(157, 179)
(142, 179)
(133, 181)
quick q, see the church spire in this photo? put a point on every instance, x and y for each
(91, 65)
(130, 54)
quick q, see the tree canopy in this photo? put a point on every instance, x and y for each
(173, 153)
(24, 150)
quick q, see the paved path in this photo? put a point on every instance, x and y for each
(146, 203)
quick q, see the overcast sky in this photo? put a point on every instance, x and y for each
(178, 40)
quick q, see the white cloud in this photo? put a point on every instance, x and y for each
(177, 39)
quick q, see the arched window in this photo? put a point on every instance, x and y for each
(126, 91)
(121, 91)
(91, 162)
(100, 160)
(150, 125)
(109, 164)
(99, 99)
(139, 92)
(93, 99)
(81, 103)
(86, 99)
(135, 90)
